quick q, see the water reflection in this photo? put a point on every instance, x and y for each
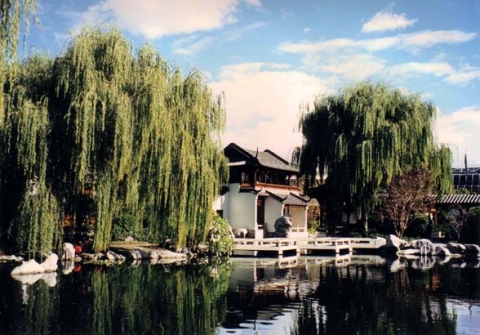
(117, 300)
(358, 296)
(309, 295)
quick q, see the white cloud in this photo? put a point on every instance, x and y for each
(413, 41)
(192, 44)
(157, 18)
(459, 130)
(262, 102)
(349, 66)
(238, 33)
(463, 76)
(254, 3)
(356, 60)
(438, 69)
(387, 20)
(428, 38)
(195, 47)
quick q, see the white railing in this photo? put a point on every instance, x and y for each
(367, 243)
(298, 229)
(326, 243)
(265, 244)
(336, 244)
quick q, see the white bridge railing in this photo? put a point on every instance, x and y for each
(326, 243)
(265, 244)
(367, 243)
(298, 229)
(336, 244)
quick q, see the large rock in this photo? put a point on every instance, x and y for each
(51, 263)
(472, 250)
(393, 243)
(113, 256)
(418, 244)
(28, 279)
(138, 254)
(456, 248)
(29, 267)
(397, 264)
(50, 279)
(406, 252)
(167, 254)
(425, 246)
(283, 225)
(240, 232)
(67, 267)
(423, 263)
(68, 252)
(10, 258)
(380, 241)
(443, 259)
(442, 250)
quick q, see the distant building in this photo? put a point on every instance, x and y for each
(262, 187)
(467, 178)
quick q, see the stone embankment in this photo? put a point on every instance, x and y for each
(118, 253)
(401, 247)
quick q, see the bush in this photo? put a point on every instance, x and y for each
(220, 241)
(421, 226)
(471, 232)
(123, 226)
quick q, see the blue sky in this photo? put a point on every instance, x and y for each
(269, 56)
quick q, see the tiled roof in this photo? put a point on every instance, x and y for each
(462, 171)
(289, 198)
(265, 158)
(460, 199)
(271, 160)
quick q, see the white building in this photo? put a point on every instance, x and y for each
(262, 188)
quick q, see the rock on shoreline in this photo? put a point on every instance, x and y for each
(396, 245)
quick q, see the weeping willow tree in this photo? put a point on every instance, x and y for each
(12, 14)
(125, 132)
(361, 138)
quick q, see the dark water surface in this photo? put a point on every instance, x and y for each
(309, 295)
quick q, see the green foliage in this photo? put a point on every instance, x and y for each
(127, 130)
(313, 226)
(419, 227)
(220, 241)
(359, 139)
(12, 14)
(126, 300)
(406, 198)
(471, 232)
(124, 226)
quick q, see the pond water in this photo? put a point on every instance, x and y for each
(309, 295)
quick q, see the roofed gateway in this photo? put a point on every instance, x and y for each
(262, 187)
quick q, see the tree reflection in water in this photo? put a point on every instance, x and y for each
(353, 299)
(248, 296)
(119, 300)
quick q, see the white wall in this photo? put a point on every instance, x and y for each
(299, 218)
(273, 210)
(221, 203)
(242, 208)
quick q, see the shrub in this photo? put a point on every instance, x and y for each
(220, 241)
(123, 226)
